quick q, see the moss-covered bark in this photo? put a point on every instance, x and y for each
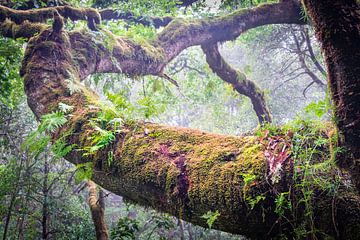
(103, 52)
(180, 171)
(24, 30)
(97, 208)
(337, 25)
(239, 82)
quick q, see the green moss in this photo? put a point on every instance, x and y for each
(180, 27)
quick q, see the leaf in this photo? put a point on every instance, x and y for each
(84, 171)
(52, 121)
(65, 108)
(211, 217)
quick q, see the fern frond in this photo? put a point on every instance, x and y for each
(52, 121)
(65, 108)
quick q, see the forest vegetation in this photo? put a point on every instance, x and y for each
(193, 119)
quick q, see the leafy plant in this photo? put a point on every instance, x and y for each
(319, 108)
(211, 217)
(100, 139)
(283, 203)
(148, 107)
(60, 148)
(84, 171)
(38, 140)
(126, 228)
(52, 121)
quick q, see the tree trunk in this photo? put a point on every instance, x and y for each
(97, 207)
(337, 25)
(45, 203)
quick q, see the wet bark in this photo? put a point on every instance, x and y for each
(97, 208)
(337, 25)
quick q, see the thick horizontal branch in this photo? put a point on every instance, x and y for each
(26, 29)
(238, 80)
(111, 14)
(91, 15)
(30, 4)
(125, 56)
(104, 4)
(180, 171)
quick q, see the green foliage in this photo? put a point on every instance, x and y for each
(99, 139)
(143, 8)
(84, 171)
(253, 201)
(249, 180)
(8, 175)
(126, 228)
(148, 107)
(312, 165)
(37, 141)
(319, 108)
(304, 15)
(211, 217)
(51, 122)
(110, 158)
(283, 203)
(136, 32)
(122, 104)
(60, 148)
(163, 221)
(11, 84)
(235, 4)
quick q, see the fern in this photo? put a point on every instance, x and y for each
(61, 149)
(100, 139)
(37, 141)
(84, 171)
(65, 108)
(52, 121)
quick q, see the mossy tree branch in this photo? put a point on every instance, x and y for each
(180, 171)
(91, 15)
(26, 29)
(238, 80)
(139, 59)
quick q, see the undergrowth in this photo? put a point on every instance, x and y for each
(312, 149)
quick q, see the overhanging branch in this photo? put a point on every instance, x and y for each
(238, 80)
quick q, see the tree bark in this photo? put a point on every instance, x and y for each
(45, 202)
(97, 207)
(337, 25)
